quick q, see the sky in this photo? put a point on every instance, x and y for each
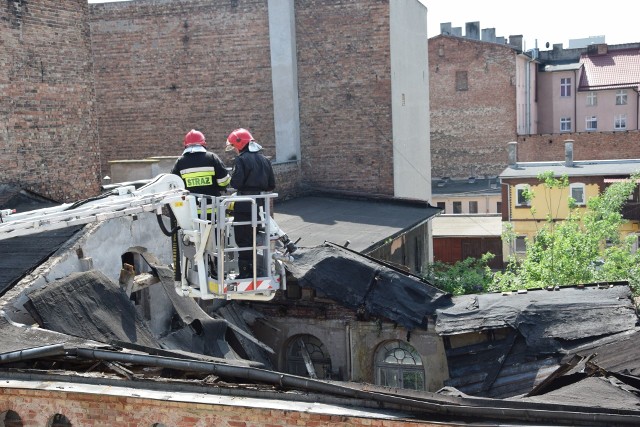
(541, 22)
(544, 21)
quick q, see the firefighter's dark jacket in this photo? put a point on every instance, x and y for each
(202, 172)
(251, 175)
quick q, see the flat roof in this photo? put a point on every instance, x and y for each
(467, 226)
(364, 223)
(579, 168)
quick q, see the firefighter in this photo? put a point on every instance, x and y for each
(252, 174)
(203, 172)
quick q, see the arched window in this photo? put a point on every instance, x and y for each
(399, 365)
(308, 357)
(10, 419)
(59, 420)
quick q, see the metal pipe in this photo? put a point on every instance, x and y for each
(32, 353)
(563, 413)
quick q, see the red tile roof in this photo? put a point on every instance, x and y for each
(616, 69)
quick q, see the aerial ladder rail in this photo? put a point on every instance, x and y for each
(126, 203)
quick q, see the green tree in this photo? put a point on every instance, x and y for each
(585, 247)
(469, 276)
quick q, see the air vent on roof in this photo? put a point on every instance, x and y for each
(472, 179)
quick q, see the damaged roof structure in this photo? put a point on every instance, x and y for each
(325, 342)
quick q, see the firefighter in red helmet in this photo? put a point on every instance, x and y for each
(203, 172)
(252, 174)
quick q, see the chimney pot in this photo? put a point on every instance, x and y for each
(568, 152)
(512, 150)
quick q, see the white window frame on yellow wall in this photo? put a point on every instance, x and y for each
(519, 188)
(578, 186)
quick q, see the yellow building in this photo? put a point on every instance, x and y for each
(587, 179)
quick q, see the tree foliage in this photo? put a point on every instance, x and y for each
(584, 247)
(469, 276)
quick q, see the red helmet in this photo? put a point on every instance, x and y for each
(238, 139)
(194, 137)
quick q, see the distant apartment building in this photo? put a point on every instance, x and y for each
(595, 91)
(482, 94)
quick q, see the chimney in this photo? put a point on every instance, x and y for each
(489, 35)
(568, 153)
(445, 28)
(512, 150)
(516, 42)
(472, 30)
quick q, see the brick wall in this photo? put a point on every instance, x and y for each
(37, 407)
(470, 129)
(586, 146)
(165, 67)
(345, 94)
(48, 137)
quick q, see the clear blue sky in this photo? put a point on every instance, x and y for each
(552, 21)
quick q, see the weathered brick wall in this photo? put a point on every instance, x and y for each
(165, 67)
(37, 407)
(48, 137)
(469, 129)
(345, 94)
(586, 146)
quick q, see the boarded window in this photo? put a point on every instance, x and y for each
(462, 82)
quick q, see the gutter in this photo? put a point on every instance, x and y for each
(494, 409)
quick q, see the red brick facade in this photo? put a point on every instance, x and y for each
(36, 408)
(470, 127)
(48, 136)
(344, 83)
(163, 68)
(586, 146)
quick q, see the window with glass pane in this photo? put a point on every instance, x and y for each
(577, 193)
(499, 207)
(443, 206)
(565, 124)
(620, 122)
(457, 207)
(565, 87)
(521, 190)
(592, 99)
(592, 123)
(621, 97)
(399, 365)
(473, 207)
(521, 244)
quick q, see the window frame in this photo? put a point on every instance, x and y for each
(518, 189)
(565, 124)
(474, 209)
(565, 87)
(520, 245)
(383, 366)
(592, 98)
(621, 97)
(620, 122)
(457, 207)
(591, 123)
(583, 187)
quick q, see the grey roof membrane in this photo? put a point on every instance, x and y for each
(622, 167)
(364, 223)
(544, 317)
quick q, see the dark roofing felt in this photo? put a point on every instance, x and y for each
(544, 317)
(364, 284)
(466, 186)
(89, 305)
(365, 223)
(20, 255)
